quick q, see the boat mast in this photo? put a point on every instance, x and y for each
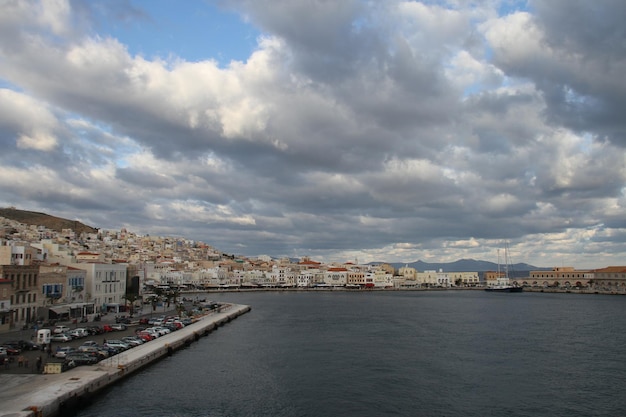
(506, 260)
(498, 263)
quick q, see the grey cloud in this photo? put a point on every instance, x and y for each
(583, 81)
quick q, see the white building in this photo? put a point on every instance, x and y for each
(336, 277)
(105, 284)
(433, 278)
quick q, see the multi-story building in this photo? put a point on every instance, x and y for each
(432, 278)
(63, 292)
(19, 254)
(6, 293)
(468, 279)
(53, 283)
(336, 277)
(611, 278)
(105, 285)
(25, 287)
(282, 275)
(564, 276)
(356, 277)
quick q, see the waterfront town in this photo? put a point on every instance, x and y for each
(51, 275)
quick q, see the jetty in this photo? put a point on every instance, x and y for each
(53, 394)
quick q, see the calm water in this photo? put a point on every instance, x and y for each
(467, 353)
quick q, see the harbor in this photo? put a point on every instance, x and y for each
(53, 394)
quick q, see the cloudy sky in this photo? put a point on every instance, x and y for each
(341, 130)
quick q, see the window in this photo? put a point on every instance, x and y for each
(53, 290)
(77, 282)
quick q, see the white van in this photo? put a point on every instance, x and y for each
(43, 337)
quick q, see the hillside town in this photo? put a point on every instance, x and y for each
(46, 274)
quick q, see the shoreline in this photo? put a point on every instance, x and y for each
(550, 290)
(51, 395)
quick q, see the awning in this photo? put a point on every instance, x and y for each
(61, 310)
(78, 305)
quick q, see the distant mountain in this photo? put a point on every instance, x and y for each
(467, 265)
(42, 219)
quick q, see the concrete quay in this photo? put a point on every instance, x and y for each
(51, 395)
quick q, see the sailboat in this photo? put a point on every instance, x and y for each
(503, 283)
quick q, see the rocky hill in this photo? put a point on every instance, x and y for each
(42, 219)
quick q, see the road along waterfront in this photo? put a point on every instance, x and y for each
(52, 395)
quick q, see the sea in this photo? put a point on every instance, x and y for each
(392, 353)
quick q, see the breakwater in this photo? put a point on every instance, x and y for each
(52, 395)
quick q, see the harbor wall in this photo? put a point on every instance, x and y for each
(58, 394)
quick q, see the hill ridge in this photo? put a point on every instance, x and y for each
(36, 218)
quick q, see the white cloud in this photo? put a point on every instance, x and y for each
(30, 121)
(39, 141)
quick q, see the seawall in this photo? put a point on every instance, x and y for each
(51, 395)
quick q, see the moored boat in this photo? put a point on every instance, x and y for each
(503, 282)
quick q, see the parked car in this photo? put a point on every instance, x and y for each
(118, 327)
(60, 337)
(117, 344)
(162, 330)
(110, 350)
(145, 336)
(28, 345)
(67, 365)
(63, 351)
(132, 340)
(60, 329)
(96, 351)
(154, 333)
(94, 330)
(171, 327)
(78, 333)
(90, 343)
(11, 350)
(81, 358)
(107, 328)
(3, 354)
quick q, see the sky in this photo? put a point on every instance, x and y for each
(346, 130)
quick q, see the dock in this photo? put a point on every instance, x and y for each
(50, 395)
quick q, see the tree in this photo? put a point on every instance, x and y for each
(158, 295)
(180, 308)
(172, 295)
(131, 298)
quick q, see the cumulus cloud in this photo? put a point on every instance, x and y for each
(390, 131)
